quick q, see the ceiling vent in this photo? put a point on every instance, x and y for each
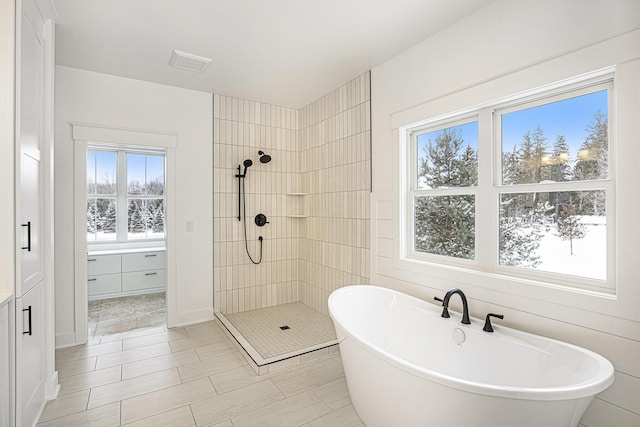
(188, 61)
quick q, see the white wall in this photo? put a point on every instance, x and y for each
(99, 99)
(508, 47)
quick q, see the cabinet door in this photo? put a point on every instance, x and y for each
(29, 147)
(139, 280)
(104, 284)
(31, 257)
(103, 264)
(29, 355)
(144, 261)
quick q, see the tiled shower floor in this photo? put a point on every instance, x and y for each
(116, 315)
(280, 332)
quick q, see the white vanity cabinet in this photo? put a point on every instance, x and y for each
(104, 273)
(126, 273)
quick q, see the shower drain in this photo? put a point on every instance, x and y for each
(284, 328)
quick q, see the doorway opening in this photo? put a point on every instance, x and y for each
(126, 235)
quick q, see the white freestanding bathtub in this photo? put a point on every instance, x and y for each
(407, 366)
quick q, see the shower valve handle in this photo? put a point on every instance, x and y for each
(261, 220)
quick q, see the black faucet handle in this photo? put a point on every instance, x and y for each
(487, 322)
(445, 309)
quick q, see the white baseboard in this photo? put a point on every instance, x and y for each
(52, 387)
(67, 339)
(127, 293)
(196, 316)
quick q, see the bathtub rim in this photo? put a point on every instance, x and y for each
(602, 379)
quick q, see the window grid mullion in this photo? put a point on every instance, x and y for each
(123, 217)
(486, 208)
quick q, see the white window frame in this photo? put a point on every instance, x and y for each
(490, 185)
(413, 191)
(122, 193)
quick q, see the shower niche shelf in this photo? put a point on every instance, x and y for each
(296, 205)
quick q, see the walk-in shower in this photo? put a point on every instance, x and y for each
(260, 219)
(310, 174)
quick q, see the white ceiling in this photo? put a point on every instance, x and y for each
(285, 52)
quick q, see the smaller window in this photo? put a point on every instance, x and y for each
(444, 196)
(102, 200)
(145, 196)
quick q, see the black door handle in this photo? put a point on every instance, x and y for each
(29, 331)
(28, 247)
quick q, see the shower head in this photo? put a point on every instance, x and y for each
(264, 158)
(246, 164)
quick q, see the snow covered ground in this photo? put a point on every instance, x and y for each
(589, 257)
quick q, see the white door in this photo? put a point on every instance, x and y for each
(29, 356)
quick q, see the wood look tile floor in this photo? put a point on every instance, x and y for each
(192, 376)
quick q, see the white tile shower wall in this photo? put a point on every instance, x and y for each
(241, 129)
(335, 164)
(322, 151)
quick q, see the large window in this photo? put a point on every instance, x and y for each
(125, 195)
(543, 205)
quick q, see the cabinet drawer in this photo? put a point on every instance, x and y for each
(104, 284)
(138, 280)
(144, 261)
(103, 264)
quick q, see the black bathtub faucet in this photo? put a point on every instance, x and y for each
(445, 305)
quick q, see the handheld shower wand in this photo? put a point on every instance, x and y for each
(247, 163)
(261, 219)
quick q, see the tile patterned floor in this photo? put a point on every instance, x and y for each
(262, 328)
(114, 315)
(192, 376)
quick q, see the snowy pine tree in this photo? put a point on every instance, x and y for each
(445, 225)
(593, 164)
(560, 161)
(136, 217)
(532, 150)
(108, 221)
(92, 211)
(157, 224)
(569, 226)
(593, 156)
(521, 229)
(443, 166)
(511, 168)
